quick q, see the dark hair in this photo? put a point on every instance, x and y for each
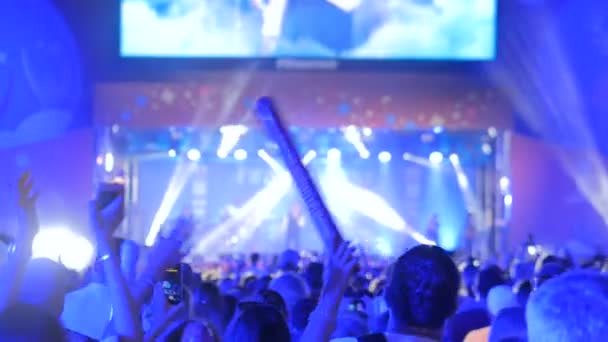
(258, 323)
(523, 291)
(570, 307)
(273, 299)
(510, 323)
(423, 287)
(489, 278)
(23, 322)
(301, 312)
(178, 332)
(254, 258)
(461, 324)
(208, 294)
(314, 275)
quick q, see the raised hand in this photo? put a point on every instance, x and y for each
(168, 251)
(106, 217)
(27, 197)
(340, 268)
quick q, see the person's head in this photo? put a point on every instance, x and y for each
(423, 288)
(274, 299)
(462, 323)
(289, 260)
(45, 284)
(489, 277)
(258, 323)
(193, 331)
(314, 275)
(501, 297)
(29, 323)
(254, 259)
(301, 312)
(292, 289)
(509, 324)
(548, 271)
(207, 303)
(570, 307)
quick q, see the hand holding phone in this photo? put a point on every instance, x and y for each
(107, 209)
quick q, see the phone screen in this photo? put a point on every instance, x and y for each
(108, 192)
(173, 285)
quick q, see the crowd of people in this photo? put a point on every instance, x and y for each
(337, 296)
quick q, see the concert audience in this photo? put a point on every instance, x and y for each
(339, 298)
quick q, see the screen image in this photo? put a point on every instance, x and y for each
(319, 29)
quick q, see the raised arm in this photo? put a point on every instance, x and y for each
(105, 221)
(322, 322)
(20, 251)
(165, 253)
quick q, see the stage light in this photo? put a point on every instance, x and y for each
(364, 154)
(463, 181)
(334, 154)
(99, 160)
(230, 138)
(454, 158)
(492, 132)
(504, 183)
(438, 129)
(351, 133)
(367, 131)
(234, 129)
(62, 245)
(109, 162)
(384, 157)
(486, 148)
(407, 156)
(172, 153)
(508, 200)
(240, 154)
(532, 250)
(274, 165)
(436, 158)
(384, 247)
(193, 154)
(309, 156)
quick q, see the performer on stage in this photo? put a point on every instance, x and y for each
(469, 234)
(432, 230)
(294, 223)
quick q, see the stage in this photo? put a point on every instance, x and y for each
(383, 187)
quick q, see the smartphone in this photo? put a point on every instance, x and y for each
(173, 285)
(108, 192)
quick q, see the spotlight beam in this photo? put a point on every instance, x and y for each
(255, 210)
(181, 175)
